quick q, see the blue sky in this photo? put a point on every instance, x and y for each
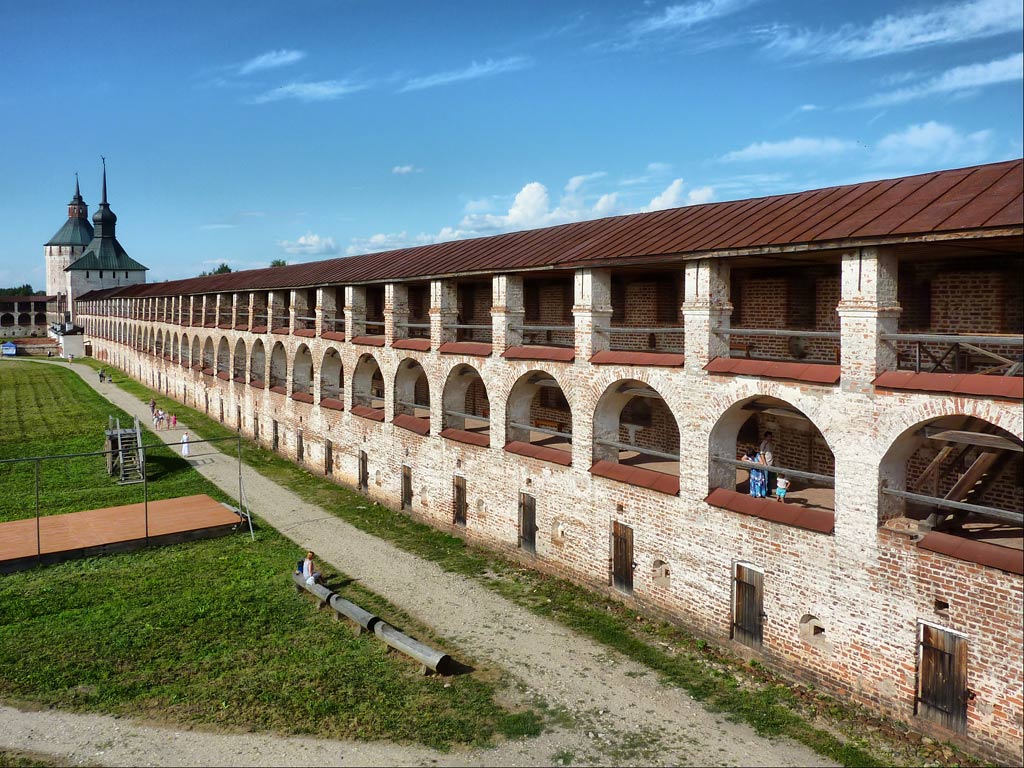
(249, 131)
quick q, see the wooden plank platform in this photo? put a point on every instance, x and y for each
(112, 529)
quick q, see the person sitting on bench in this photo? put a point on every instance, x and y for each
(309, 571)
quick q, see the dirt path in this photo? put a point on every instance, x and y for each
(615, 711)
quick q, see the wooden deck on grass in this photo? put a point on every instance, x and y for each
(112, 529)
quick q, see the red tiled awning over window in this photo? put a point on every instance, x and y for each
(415, 424)
(639, 476)
(611, 357)
(999, 387)
(768, 509)
(541, 452)
(812, 373)
(554, 354)
(472, 348)
(980, 552)
(469, 438)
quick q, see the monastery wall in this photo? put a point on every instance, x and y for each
(841, 609)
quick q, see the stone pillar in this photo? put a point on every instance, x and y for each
(706, 308)
(396, 312)
(296, 308)
(507, 293)
(355, 311)
(323, 300)
(444, 311)
(867, 309)
(592, 312)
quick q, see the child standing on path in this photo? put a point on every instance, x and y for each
(781, 486)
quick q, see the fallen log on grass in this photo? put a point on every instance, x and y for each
(429, 658)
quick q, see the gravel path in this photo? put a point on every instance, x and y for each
(617, 710)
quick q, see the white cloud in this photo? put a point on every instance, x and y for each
(472, 72)
(309, 245)
(271, 60)
(532, 207)
(790, 149)
(401, 170)
(323, 90)
(900, 32)
(956, 80)
(675, 18)
(930, 143)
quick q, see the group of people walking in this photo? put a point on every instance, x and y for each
(162, 419)
(761, 479)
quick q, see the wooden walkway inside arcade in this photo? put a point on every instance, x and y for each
(112, 529)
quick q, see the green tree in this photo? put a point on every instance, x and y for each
(18, 290)
(222, 269)
(279, 263)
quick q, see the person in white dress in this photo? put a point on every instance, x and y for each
(184, 445)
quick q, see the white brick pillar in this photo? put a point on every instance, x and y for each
(296, 308)
(325, 304)
(444, 311)
(706, 308)
(508, 311)
(355, 311)
(867, 309)
(592, 311)
(396, 312)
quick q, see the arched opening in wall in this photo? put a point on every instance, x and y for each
(302, 375)
(636, 437)
(239, 360)
(175, 349)
(197, 355)
(258, 365)
(412, 397)
(144, 341)
(185, 352)
(6, 320)
(24, 319)
(958, 475)
(368, 389)
(766, 448)
(159, 348)
(467, 410)
(40, 318)
(170, 345)
(539, 420)
(331, 381)
(209, 360)
(223, 359)
(279, 369)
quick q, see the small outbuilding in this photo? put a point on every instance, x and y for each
(8, 349)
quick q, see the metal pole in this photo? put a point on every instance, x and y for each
(39, 544)
(145, 493)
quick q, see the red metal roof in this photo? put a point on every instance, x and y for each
(415, 424)
(981, 552)
(418, 345)
(814, 373)
(639, 476)
(470, 438)
(1000, 387)
(818, 520)
(891, 210)
(472, 348)
(613, 357)
(541, 452)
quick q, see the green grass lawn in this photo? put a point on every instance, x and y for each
(48, 410)
(209, 632)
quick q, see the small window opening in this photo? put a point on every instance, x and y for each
(941, 606)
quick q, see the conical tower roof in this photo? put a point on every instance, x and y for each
(76, 230)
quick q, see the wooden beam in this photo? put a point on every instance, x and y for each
(992, 513)
(973, 475)
(979, 439)
(935, 463)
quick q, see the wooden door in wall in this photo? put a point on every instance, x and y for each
(300, 447)
(275, 438)
(748, 605)
(459, 493)
(364, 471)
(328, 457)
(527, 523)
(622, 557)
(406, 487)
(942, 677)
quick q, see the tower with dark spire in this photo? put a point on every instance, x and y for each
(103, 262)
(67, 244)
